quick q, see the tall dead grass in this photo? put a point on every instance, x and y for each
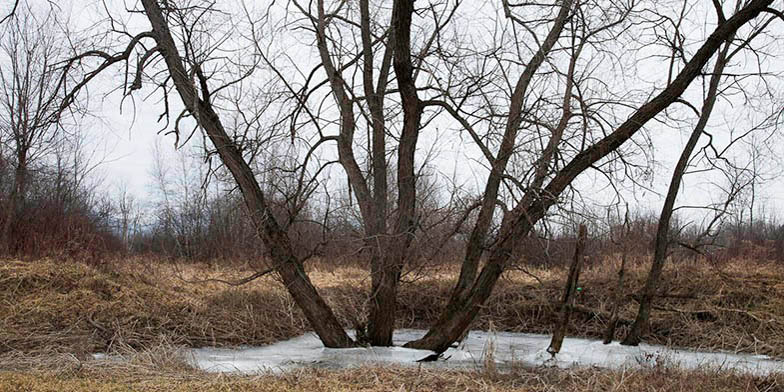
(77, 309)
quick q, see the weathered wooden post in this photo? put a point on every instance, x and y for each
(568, 298)
(609, 333)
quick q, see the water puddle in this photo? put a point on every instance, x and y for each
(502, 348)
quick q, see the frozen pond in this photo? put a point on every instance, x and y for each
(506, 348)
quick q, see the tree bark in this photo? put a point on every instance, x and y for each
(289, 268)
(383, 292)
(372, 200)
(384, 304)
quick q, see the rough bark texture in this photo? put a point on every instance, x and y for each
(661, 245)
(384, 305)
(381, 318)
(461, 310)
(570, 289)
(275, 239)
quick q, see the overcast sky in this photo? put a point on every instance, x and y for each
(130, 131)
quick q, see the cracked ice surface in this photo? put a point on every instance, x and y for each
(507, 349)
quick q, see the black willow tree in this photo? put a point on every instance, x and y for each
(542, 92)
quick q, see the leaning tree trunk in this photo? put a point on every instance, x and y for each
(478, 236)
(276, 240)
(640, 325)
(461, 311)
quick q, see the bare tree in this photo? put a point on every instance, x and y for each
(663, 240)
(130, 216)
(663, 231)
(187, 72)
(537, 199)
(32, 120)
(360, 41)
(372, 199)
(534, 142)
(196, 98)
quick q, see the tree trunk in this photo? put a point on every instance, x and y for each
(567, 302)
(385, 282)
(15, 198)
(372, 205)
(383, 306)
(477, 239)
(276, 240)
(640, 325)
(609, 333)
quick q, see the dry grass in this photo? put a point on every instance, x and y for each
(81, 309)
(53, 314)
(389, 379)
(74, 309)
(736, 307)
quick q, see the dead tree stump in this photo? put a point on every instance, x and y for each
(567, 302)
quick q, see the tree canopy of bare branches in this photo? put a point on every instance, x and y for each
(542, 93)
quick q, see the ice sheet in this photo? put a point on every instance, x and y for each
(506, 348)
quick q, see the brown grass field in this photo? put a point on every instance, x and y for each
(53, 314)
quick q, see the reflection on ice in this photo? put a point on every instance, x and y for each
(507, 348)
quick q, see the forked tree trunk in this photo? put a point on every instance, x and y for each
(384, 303)
(373, 200)
(276, 240)
(461, 310)
(567, 301)
(640, 325)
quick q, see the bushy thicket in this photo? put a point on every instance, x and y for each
(59, 214)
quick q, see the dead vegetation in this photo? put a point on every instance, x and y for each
(74, 309)
(111, 378)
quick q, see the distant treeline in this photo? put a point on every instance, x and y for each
(62, 214)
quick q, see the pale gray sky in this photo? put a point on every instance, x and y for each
(133, 132)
